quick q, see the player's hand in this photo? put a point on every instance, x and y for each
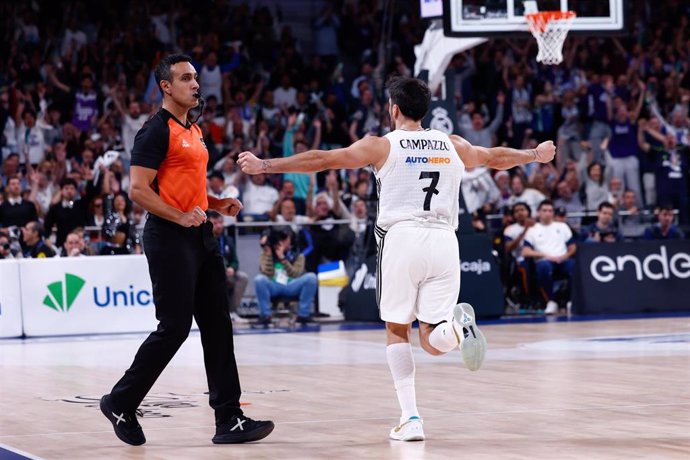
(545, 152)
(192, 218)
(250, 164)
(228, 206)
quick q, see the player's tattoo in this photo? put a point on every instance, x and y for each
(265, 165)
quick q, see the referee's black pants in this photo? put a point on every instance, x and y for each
(188, 277)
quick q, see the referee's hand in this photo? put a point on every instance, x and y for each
(192, 218)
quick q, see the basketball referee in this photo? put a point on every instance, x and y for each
(168, 179)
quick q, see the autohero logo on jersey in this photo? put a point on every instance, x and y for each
(62, 295)
(655, 266)
(477, 267)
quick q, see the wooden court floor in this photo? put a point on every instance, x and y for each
(556, 390)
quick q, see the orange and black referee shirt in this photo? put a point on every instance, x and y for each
(177, 151)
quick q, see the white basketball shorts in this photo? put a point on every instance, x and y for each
(418, 273)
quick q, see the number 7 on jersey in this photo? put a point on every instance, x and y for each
(431, 190)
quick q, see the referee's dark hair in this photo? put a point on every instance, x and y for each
(163, 68)
(411, 95)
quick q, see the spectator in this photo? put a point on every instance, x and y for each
(303, 187)
(671, 178)
(502, 179)
(10, 168)
(285, 96)
(570, 132)
(86, 100)
(258, 198)
(365, 118)
(474, 130)
(116, 237)
(14, 210)
(364, 244)
(599, 94)
(651, 142)
(237, 280)
(74, 246)
(603, 229)
(521, 109)
(70, 212)
(665, 229)
(34, 245)
(31, 139)
(132, 121)
(527, 195)
(332, 242)
(552, 246)
(623, 145)
(514, 234)
(594, 179)
(326, 34)
(570, 201)
(282, 275)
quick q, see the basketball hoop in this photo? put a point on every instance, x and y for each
(550, 29)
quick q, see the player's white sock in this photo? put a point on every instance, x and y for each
(401, 363)
(443, 337)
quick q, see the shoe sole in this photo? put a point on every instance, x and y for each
(105, 412)
(256, 435)
(410, 439)
(418, 436)
(472, 347)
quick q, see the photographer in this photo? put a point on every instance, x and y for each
(6, 248)
(282, 275)
(603, 230)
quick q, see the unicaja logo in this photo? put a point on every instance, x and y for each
(61, 295)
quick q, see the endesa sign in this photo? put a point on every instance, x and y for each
(646, 276)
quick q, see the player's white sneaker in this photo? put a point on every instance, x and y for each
(411, 430)
(472, 342)
(551, 308)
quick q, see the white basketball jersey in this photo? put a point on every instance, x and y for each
(420, 180)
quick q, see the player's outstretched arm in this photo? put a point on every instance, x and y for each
(370, 150)
(501, 157)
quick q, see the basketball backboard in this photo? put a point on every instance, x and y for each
(479, 18)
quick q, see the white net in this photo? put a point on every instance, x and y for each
(550, 29)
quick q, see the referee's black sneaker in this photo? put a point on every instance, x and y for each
(242, 429)
(125, 423)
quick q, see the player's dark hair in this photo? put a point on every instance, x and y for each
(163, 68)
(411, 95)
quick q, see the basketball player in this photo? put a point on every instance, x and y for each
(418, 176)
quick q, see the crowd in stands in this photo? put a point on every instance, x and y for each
(76, 84)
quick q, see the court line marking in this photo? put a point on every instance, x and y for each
(360, 419)
(14, 450)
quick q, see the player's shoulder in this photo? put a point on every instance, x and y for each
(459, 141)
(374, 142)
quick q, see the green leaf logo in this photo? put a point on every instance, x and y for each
(61, 295)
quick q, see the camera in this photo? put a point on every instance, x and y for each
(14, 232)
